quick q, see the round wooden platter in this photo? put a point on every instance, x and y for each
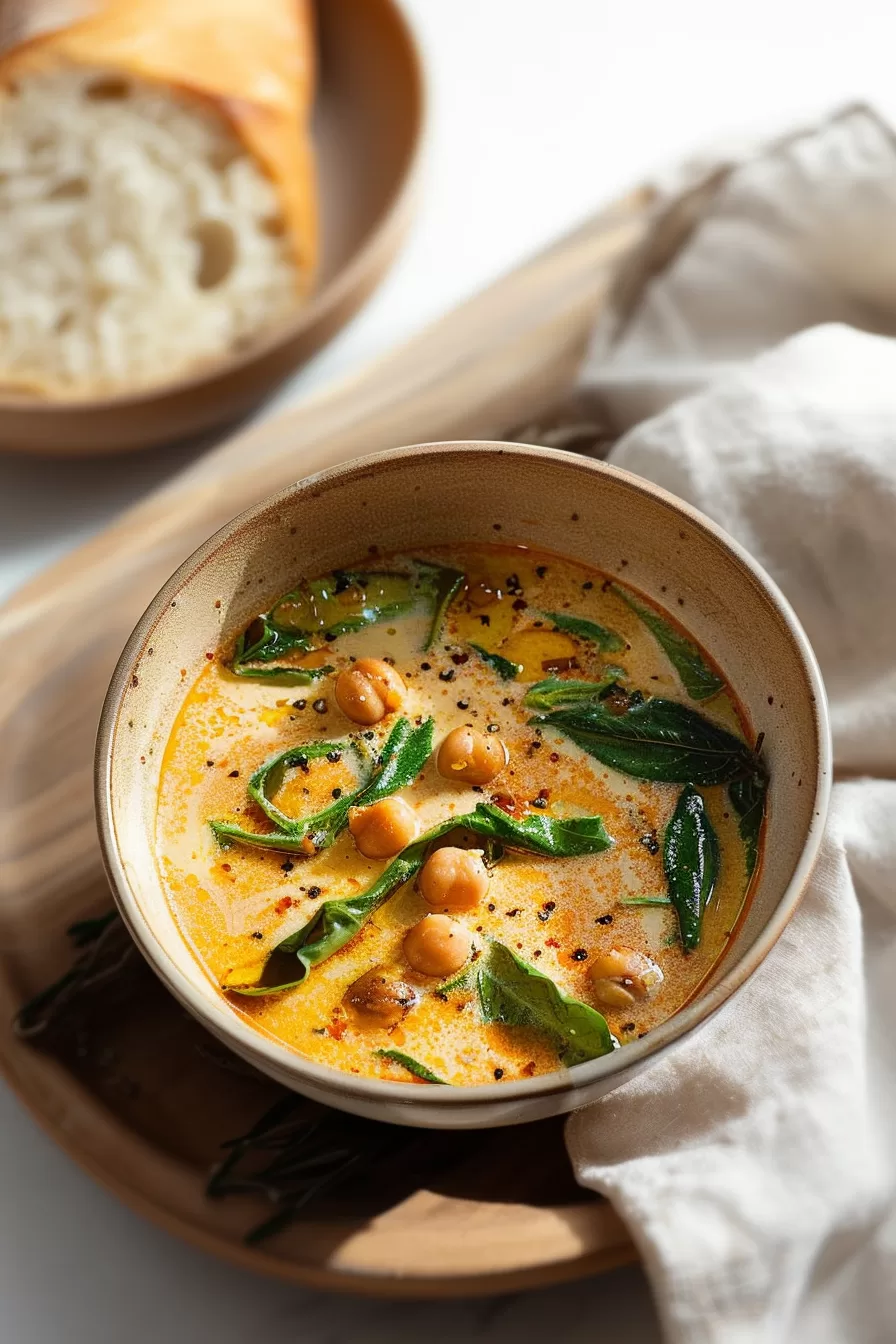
(368, 128)
(138, 1101)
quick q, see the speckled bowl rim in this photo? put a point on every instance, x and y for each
(283, 1061)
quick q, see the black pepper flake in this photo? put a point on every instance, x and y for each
(537, 952)
(368, 737)
(628, 1026)
(650, 842)
(314, 891)
(463, 704)
(520, 604)
(447, 675)
(288, 866)
(459, 659)
(320, 706)
(499, 1074)
(510, 913)
(588, 585)
(337, 793)
(491, 908)
(541, 570)
(507, 700)
(334, 757)
(209, 764)
(234, 774)
(329, 637)
(492, 727)
(485, 620)
(299, 704)
(604, 919)
(543, 916)
(579, 955)
(257, 936)
(539, 802)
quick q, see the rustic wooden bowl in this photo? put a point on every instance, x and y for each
(436, 494)
(367, 132)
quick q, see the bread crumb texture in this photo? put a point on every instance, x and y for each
(140, 238)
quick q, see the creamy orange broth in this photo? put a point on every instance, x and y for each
(234, 905)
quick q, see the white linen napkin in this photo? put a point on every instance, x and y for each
(756, 1166)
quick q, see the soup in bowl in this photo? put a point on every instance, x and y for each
(454, 785)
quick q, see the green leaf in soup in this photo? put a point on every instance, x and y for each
(697, 677)
(338, 604)
(691, 863)
(654, 739)
(443, 585)
(336, 922)
(517, 995)
(412, 1065)
(555, 692)
(606, 640)
(404, 753)
(505, 669)
(747, 797)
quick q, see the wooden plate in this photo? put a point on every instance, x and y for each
(138, 1107)
(367, 129)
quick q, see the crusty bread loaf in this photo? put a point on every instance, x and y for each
(140, 239)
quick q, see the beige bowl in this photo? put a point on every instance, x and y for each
(470, 492)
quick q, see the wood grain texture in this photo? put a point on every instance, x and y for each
(500, 359)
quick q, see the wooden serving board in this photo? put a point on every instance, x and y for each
(139, 1107)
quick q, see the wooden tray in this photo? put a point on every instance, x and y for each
(140, 1108)
(368, 127)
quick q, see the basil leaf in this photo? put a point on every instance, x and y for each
(517, 995)
(748, 800)
(443, 584)
(606, 640)
(556, 837)
(691, 863)
(283, 676)
(655, 739)
(505, 669)
(403, 756)
(337, 604)
(336, 922)
(697, 677)
(412, 1066)
(555, 692)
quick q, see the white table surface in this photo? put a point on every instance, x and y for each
(540, 111)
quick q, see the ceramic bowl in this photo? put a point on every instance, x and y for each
(470, 492)
(368, 130)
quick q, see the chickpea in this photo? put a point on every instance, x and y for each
(470, 757)
(622, 976)
(369, 690)
(384, 828)
(375, 1000)
(454, 879)
(437, 946)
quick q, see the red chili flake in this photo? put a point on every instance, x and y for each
(537, 952)
(225, 867)
(554, 757)
(551, 942)
(283, 905)
(210, 657)
(544, 793)
(558, 664)
(336, 1029)
(520, 604)
(529, 1069)
(505, 803)
(460, 658)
